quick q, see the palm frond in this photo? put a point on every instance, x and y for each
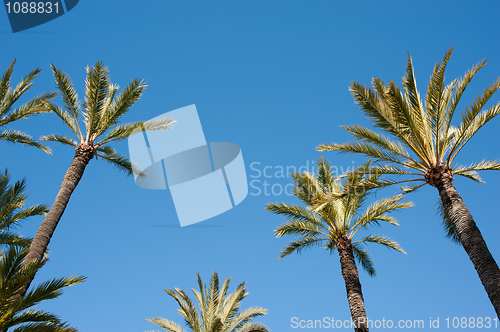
(300, 228)
(293, 212)
(10, 239)
(298, 245)
(5, 89)
(245, 318)
(363, 148)
(254, 327)
(166, 324)
(377, 211)
(96, 92)
(9, 95)
(60, 139)
(411, 188)
(414, 115)
(451, 233)
(13, 216)
(49, 290)
(378, 139)
(437, 100)
(385, 241)
(362, 257)
(457, 94)
(471, 170)
(117, 108)
(70, 99)
(16, 136)
(472, 123)
(124, 131)
(373, 107)
(35, 106)
(121, 162)
(45, 327)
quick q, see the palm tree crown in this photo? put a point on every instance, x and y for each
(101, 111)
(9, 95)
(424, 142)
(218, 311)
(336, 220)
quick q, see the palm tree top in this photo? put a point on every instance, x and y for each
(332, 214)
(421, 140)
(218, 310)
(95, 120)
(8, 115)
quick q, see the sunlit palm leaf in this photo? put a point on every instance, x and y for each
(96, 91)
(120, 105)
(124, 131)
(468, 129)
(296, 246)
(60, 139)
(385, 241)
(16, 136)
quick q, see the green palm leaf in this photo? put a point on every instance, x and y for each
(385, 241)
(9, 96)
(363, 258)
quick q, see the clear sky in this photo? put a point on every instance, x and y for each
(272, 77)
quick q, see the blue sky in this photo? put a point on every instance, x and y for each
(273, 78)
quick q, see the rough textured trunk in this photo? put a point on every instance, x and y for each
(352, 285)
(40, 242)
(471, 239)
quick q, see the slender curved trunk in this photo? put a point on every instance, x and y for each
(352, 286)
(471, 239)
(73, 175)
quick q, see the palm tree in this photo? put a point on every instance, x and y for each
(218, 312)
(13, 212)
(333, 224)
(9, 95)
(421, 142)
(15, 304)
(101, 112)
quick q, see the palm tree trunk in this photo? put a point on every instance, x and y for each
(352, 286)
(471, 239)
(40, 242)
